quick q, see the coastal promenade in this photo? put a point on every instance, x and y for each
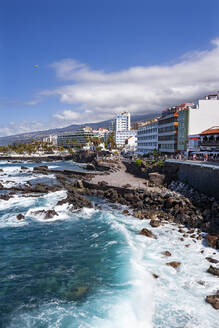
(121, 178)
(212, 165)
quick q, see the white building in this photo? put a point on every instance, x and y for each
(99, 133)
(122, 122)
(131, 145)
(52, 139)
(148, 137)
(122, 136)
(205, 115)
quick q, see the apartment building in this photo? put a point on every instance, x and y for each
(147, 137)
(168, 130)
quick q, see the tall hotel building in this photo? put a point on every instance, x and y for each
(123, 129)
(148, 137)
(122, 122)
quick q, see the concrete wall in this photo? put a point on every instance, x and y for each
(202, 178)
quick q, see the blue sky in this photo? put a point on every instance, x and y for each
(99, 57)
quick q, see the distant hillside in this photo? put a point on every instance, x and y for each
(26, 137)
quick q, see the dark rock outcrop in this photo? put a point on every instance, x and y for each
(213, 300)
(213, 270)
(156, 178)
(90, 167)
(20, 217)
(174, 264)
(24, 168)
(43, 169)
(166, 253)
(76, 200)
(213, 241)
(155, 223)
(47, 214)
(5, 197)
(211, 260)
(147, 233)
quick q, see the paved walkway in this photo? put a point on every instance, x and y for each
(121, 178)
(213, 165)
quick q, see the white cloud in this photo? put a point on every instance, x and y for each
(137, 89)
(26, 127)
(67, 115)
(91, 96)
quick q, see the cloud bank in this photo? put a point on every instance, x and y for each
(93, 95)
(96, 95)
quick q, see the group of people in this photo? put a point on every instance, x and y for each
(195, 156)
(204, 157)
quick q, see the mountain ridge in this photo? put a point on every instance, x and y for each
(28, 136)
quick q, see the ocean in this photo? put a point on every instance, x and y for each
(92, 269)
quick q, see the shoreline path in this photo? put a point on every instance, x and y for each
(121, 178)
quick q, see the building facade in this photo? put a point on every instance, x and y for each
(51, 139)
(205, 114)
(122, 136)
(75, 139)
(168, 131)
(184, 111)
(123, 122)
(147, 137)
(210, 140)
(194, 141)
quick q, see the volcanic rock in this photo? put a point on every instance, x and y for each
(102, 183)
(41, 169)
(156, 178)
(48, 214)
(213, 300)
(213, 270)
(155, 223)
(126, 186)
(74, 198)
(5, 197)
(155, 275)
(174, 264)
(147, 233)
(125, 212)
(211, 260)
(20, 217)
(166, 253)
(213, 240)
(90, 167)
(79, 184)
(24, 168)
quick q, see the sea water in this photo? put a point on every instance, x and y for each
(92, 269)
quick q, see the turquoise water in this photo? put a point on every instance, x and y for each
(91, 268)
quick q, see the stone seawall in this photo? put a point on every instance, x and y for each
(200, 176)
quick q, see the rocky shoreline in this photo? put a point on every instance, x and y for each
(196, 214)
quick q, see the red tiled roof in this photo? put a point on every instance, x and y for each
(213, 130)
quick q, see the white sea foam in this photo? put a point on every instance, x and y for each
(174, 300)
